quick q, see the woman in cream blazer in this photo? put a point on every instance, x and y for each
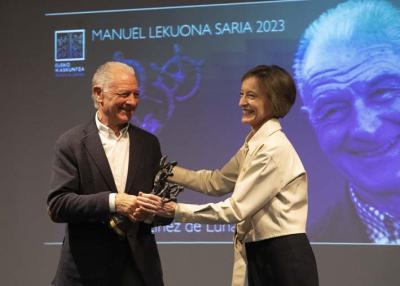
(269, 190)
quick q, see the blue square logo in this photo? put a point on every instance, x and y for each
(69, 45)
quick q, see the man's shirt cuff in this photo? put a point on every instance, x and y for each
(111, 202)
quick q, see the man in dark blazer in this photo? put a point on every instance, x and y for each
(98, 170)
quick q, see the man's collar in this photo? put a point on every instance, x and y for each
(105, 130)
(381, 226)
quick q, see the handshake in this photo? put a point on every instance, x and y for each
(161, 200)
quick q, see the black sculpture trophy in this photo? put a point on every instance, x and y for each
(167, 191)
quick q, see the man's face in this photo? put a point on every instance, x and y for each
(118, 100)
(256, 108)
(353, 100)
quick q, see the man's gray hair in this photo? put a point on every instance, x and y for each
(104, 75)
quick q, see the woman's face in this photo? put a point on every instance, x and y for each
(255, 105)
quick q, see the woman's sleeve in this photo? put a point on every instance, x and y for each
(255, 187)
(211, 182)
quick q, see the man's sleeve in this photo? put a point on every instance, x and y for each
(66, 202)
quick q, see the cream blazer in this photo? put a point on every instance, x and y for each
(269, 192)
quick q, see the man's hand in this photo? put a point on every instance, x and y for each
(126, 205)
(149, 204)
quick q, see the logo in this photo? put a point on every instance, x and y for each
(69, 45)
(69, 50)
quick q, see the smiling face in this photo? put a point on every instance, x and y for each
(118, 99)
(354, 104)
(255, 105)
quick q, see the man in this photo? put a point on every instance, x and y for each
(348, 73)
(99, 169)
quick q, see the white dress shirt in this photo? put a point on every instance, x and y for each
(117, 153)
(269, 192)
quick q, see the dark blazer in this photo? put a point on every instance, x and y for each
(340, 224)
(92, 254)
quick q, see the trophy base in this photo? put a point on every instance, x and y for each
(118, 224)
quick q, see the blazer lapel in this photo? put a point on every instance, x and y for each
(135, 157)
(94, 147)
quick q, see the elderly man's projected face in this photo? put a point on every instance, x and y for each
(352, 95)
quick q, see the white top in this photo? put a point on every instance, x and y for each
(117, 153)
(269, 192)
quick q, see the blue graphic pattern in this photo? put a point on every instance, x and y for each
(176, 80)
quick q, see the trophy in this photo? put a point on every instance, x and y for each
(167, 191)
(119, 223)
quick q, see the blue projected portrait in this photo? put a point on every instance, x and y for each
(347, 69)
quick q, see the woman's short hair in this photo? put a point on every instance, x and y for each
(279, 87)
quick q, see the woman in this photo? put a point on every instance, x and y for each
(269, 190)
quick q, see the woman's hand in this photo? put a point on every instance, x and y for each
(149, 204)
